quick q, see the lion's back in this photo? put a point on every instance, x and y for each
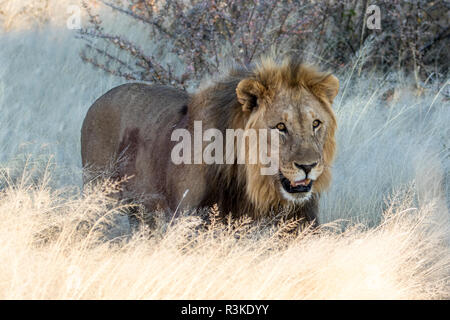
(129, 114)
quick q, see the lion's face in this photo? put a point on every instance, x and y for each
(305, 122)
(303, 125)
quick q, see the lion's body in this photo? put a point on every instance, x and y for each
(131, 126)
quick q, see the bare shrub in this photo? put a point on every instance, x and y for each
(205, 34)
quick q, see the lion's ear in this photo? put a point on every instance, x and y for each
(248, 92)
(328, 88)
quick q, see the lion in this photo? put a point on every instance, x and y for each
(134, 122)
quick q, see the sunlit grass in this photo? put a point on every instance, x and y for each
(61, 246)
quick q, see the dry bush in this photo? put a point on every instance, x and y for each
(205, 35)
(202, 34)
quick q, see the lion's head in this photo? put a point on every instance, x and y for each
(294, 99)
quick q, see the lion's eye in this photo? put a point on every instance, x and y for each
(316, 123)
(281, 126)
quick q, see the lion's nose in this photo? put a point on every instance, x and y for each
(306, 167)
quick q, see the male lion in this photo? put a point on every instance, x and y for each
(134, 122)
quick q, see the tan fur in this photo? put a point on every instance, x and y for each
(144, 116)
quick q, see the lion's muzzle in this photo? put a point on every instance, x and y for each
(300, 178)
(304, 185)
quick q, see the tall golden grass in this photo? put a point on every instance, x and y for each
(61, 244)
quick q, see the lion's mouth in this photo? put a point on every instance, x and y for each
(304, 185)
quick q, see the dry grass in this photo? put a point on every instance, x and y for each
(57, 244)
